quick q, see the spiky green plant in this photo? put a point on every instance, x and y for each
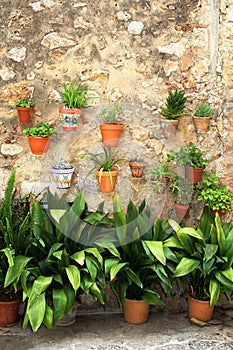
(74, 94)
(175, 105)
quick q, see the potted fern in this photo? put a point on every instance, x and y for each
(74, 97)
(201, 118)
(173, 110)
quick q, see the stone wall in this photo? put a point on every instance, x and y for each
(130, 51)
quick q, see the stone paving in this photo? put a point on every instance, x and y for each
(163, 331)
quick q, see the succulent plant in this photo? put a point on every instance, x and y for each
(203, 110)
(175, 106)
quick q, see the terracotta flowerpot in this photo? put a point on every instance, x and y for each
(201, 124)
(163, 180)
(194, 175)
(199, 309)
(137, 168)
(24, 114)
(38, 145)
(181, 210)
(70, 118)
(136, 311)
(169, 127)
(62, 177)
(105, 182)
(9, 312)
(111, 134)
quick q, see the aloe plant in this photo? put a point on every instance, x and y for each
(174, 108)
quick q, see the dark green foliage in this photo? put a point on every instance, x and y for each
(40, 130)
(175, 105)
(203, 110)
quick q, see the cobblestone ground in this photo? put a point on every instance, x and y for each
(163, 331)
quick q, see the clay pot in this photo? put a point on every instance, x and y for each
(9, 312)
(39, 145)
(181, 210)
(220, 212)
(194, 175)
(105, 182)
(70, 118)
(24, 114)
(111, 134)
(199, 309)
(137, 168)
(135, 311)
(169, 127)
(201, 124)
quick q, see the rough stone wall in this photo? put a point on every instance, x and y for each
(130, 51)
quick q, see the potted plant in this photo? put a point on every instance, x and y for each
(62, 267)
(15, 241)
(205, 262)
(137, 166)
(173, 110)
(214, 195)
(201, 117)
(24, 109)
(193, 160)
(108, 169)
(39, 137)
(159, 175)
(74, 97)
(62, 172)
(111, 129)
(139, 264)
(182, 190)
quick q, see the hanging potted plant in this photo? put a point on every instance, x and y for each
(182, 190)
(205, 263)
(39, 137)
(215, 196)
(15, 241)
(202, 117)
(108, 169)
(193, 160)
(24, 109)
(159, 175)
(173, 111)
(111, 128)
(74, 97)
(62, 172)
(137, 166)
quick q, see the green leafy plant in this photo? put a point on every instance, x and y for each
(161, 170)
(214, 195)
(140, 262)
(189, 156)
(205, 257)
(182, 190)
(203, 110)
(40, 130)
(24, 103)
(110, 115)
(174, 108)
(74, 94)
(15, 240)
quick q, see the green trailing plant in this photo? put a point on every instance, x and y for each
(189, 156)
(24, 103)
(111, 114)
(205, 257)
(203, 110)
(140, 262)
(74, 94)
(214, 195)
(15, 240)
(174, 108)
(40, 130)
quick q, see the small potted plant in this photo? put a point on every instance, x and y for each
(182, 190)
(173, 110)
(62, 172)
(137, 166)
(193, 160)
(108, 169)
(74, 97)
(201, 117)
(39, 137)
(111, 128)
(159, 175)
(214, 195)
(24, 109)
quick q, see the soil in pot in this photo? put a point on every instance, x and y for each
(135, 311)
(199, 309)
